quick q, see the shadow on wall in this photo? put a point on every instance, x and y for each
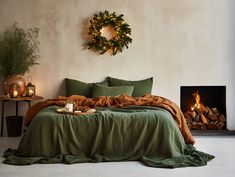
(84, 32)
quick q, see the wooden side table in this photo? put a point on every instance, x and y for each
(5, 99)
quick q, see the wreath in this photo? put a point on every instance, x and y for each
(120, 33)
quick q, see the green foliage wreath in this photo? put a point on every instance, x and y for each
(117, 42)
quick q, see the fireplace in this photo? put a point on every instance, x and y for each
(204, 107)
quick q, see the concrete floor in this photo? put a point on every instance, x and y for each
(223, 147)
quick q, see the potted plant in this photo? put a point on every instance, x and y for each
(19, 51)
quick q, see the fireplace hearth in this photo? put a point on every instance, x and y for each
(204, 107)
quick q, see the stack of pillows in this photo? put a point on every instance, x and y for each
(109, 87)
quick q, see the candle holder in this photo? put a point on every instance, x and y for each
(14, 91)
(30, 88)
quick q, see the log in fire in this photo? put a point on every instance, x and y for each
(202, 117)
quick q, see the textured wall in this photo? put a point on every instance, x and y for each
(178, 42)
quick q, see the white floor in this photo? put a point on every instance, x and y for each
(222, 166)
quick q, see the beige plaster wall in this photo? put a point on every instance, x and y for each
(178, 42)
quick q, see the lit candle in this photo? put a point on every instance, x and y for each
(31, 92)
(15, 93)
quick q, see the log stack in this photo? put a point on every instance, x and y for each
(205, 118)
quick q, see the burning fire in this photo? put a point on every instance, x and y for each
(202, 117)
(196, 96)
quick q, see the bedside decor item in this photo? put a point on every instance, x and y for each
(19, 50)
(14, 80)
(14, 91)
(118, 33)
(30, 88)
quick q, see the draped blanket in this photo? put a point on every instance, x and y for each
(149, 129)
(83, 103)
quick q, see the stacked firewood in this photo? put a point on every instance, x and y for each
(205, 118)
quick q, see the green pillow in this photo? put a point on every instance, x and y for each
(76, 87)
(101, 90)
(141, 87)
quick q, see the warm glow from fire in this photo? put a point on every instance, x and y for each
(196, 96)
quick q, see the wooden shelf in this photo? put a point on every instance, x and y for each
(22, 98)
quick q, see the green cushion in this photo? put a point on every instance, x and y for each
(141, 87)
(101, 90)
(76, 87)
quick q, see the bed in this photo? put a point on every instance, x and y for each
(149, 129)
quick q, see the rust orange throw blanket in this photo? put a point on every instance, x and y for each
(83, 103)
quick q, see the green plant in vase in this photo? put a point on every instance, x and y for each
(19, 51)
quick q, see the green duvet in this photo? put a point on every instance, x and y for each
(146, 134)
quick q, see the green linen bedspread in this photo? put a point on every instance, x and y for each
(147, 134)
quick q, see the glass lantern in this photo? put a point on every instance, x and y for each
(30, 88)
(14, 92)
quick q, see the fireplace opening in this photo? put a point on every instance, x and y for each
(204, 107)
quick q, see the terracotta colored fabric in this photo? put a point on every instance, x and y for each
(83, 103)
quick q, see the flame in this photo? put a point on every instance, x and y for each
(196, 96)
